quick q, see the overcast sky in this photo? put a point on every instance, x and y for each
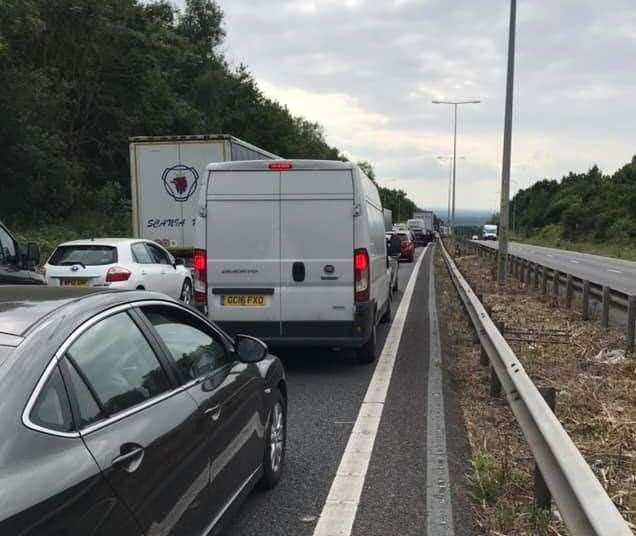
(367, 70)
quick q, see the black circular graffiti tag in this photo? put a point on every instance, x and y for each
(180, 182)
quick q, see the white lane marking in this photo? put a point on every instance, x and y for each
(341, 506)
(438, 498)
(573, 261)
(550, 255)
(615, 271)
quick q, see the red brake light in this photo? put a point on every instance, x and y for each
(278, 166)
(361, 275)
(199, 265)
(360, 260)
(117, 274)
(198, 259)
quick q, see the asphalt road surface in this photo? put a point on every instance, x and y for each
(327, 407)
(616, 273)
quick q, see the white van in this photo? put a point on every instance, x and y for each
(293, 252)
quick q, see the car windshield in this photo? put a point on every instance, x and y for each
(88, 255)
(404, 236)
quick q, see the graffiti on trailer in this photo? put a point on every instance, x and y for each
(180, 182)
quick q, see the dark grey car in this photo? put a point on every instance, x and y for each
(17, 263)
(129, 413)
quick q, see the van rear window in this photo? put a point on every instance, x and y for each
(89, 255)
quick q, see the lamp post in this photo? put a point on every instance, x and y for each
(455, 105)
(502, 268)
(450, 177)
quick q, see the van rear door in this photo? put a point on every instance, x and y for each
(243, 251)
(317, 253)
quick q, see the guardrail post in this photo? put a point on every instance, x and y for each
(536, 276)
(525, 270)
(585, 312)
(542, 495)
(555, 285)
(631, 320)
(606, 306)
(569, 291)
(544, 280)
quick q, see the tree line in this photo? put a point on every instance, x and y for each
(79, 77)
(588, 206)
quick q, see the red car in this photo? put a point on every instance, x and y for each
(408, 245)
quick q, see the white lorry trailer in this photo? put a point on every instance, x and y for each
(427, 216)
(166, 175)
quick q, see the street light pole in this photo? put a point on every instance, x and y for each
(502, 268)
(451, 159)
(455, 104)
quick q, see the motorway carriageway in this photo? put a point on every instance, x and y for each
(615, 273)
(376, 450)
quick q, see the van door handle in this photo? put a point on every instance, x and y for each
(298, 271)
(214, 412)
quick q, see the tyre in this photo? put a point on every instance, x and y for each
(366, 353)
(275, 443)
(386, 317)
(186, 292)
(395, 286)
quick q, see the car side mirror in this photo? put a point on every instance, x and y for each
(178, 262)
(250, 349)
(32, 255)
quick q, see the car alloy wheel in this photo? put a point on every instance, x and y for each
(277, 437)
(186, 292)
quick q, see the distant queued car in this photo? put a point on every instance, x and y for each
(475, 237)
(129, 413)
(408, 245)
(119, 263)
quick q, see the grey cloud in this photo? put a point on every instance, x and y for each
(575, 75)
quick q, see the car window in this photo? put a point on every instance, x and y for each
(51, 409)
(141, 254)
(118, 364)
(193, 345)
(7, 246)
(89, 409)
(158, 255)
(89, 255)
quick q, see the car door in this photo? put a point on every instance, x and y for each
(170, 278)
(229, 393)
(144, 431)
(52, 485)
(151, 272)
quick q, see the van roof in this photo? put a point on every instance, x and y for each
(263, 165)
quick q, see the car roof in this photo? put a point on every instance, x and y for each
(24, 306)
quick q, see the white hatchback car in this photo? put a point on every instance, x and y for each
(119, 263)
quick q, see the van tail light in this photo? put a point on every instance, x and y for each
(361, 275)
(117, 274)
(199, 266)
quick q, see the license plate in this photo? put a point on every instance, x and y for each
(247, 300)
(74, 282)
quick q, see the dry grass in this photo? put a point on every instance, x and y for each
(596, 402)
